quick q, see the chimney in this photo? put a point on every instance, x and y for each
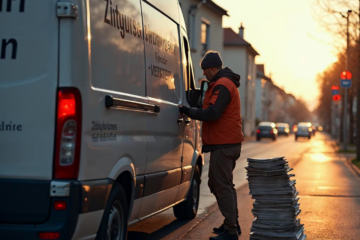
(241, 31)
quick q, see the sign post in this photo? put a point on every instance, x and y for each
(345, 81)
(336, 97)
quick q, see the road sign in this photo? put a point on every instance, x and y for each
(346, 75)
(345, 83)
(334, 87)
(335, 92)
(336, 98)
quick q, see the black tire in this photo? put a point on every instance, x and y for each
(188, 209)
(118, 206)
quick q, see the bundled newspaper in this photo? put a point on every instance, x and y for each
(276, 204)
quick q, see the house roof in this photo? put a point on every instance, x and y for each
(231, 38)
(260, 69)
(261, 75)
(210, 4)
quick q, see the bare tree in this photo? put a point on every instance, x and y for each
(330, 16)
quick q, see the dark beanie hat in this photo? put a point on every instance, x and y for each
(211, 59)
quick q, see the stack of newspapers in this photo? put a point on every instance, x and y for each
(276, 204)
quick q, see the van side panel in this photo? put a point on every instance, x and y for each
(168, 7)
(116, 68)
(28, 85)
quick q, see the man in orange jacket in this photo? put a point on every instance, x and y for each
(222, 136)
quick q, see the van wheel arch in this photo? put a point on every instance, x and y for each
(127, 182)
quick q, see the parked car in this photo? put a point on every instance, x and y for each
(303, 130)
(283, 129)
(266, 130)
(91, 137)
(318, 127)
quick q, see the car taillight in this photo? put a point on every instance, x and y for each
(271, 131)
(258, 131)
(49, 235)
(60, 205)
(68, 134)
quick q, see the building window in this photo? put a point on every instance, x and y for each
(205, 27)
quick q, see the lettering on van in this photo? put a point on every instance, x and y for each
(160, 59)
(7, 5)
(118, 20)
(159, 72)
(103, 137)
(103, 132)
(127, 25)
(159, 41)
(96, 125)
(10, 127)
(10, 46)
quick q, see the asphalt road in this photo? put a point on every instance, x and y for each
(313, 164)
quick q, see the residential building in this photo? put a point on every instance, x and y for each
(204, 27)
(239, 55)
(290, 103)
(262, 94)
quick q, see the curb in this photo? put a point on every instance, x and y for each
(353, 166)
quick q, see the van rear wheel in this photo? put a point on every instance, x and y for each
(188, 209)
(114, 221)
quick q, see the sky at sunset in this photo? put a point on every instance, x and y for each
(291, 44)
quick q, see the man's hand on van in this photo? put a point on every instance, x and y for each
(183, 109)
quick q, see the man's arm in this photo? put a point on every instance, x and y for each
(220, 98)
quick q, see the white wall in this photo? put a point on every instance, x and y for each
(215, 35)
(237, 58)
(259, 100)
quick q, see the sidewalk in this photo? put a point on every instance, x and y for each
(329, 197)
(204, 229)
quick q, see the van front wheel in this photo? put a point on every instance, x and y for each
(188, 209)
(114, 221)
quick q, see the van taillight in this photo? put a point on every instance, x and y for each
(68, 134)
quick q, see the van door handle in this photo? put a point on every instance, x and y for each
(127, 104)
(180, 120)
(188, 121)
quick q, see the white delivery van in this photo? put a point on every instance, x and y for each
(91, 138)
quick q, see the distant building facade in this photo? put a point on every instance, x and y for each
(204, 28)
(239, 55)
(262, 94)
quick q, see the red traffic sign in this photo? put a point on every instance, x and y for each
(336, 98)
(346, 75)
(334, 87)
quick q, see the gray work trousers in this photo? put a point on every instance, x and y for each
(222, 164)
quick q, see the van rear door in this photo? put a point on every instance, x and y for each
(28, 85)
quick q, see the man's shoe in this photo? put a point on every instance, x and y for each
(221, 229)
(225, 236)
